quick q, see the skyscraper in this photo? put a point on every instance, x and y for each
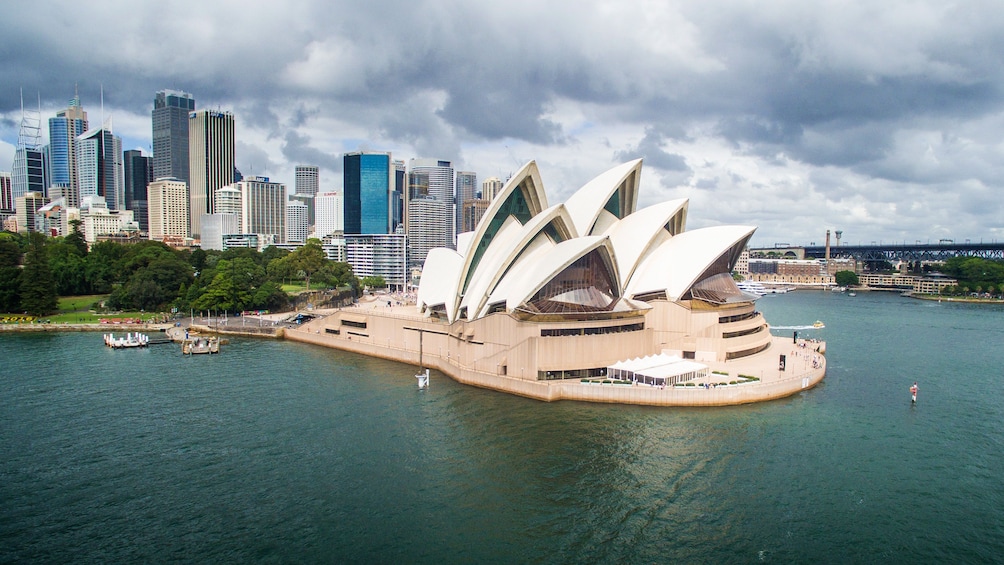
(296, 221)
(63, 132)
(306, 180)
(329, 214)
(491, 187)
(28, 174)
(138, 175)
(431, 211)
(211, 160)
(6, 195)
(368, 181)
(263, 207)
(99, 167)
(466, 189)
(170, 134)
(398, 196)
(168, 209)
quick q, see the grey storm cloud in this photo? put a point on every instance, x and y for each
(887, 97)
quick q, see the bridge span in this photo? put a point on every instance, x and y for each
(905, 252)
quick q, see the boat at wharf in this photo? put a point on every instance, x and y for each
(200, 345)
(129, 341)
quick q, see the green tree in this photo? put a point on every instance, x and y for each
(68, 267)
(846, 278)
(10, 275)
(374, 282)
(38, 289)
(76, 237)
(103, 268)
(310, 258)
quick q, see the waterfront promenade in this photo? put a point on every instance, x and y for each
(804, 368)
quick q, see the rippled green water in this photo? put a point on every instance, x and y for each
(282, 452)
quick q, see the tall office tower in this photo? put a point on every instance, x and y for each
(440, 186)
(63, 132)
(424, 231)
(474, 209)
(211, 160)
(296, 221)
(466, 189)
(263, 207)
(6, 195)
(398, 196)
(170, 134)
(368, 181)
(491, 187)
(379, 255)
(138, 175)
(431, 211)
(168, 209)
(328, 214)
(308, 201)
(28, 173)
(99, 167)
(306, 180)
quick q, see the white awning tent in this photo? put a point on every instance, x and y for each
(657, 370)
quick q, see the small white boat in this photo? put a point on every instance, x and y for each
(751, 287)
(129, 341)
(200, 346)
(423, 379)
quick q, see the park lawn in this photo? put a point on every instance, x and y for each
(79, 303)
(77, 310)
(294, 288)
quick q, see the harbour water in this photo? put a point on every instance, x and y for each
(281, 452)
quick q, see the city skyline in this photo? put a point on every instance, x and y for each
(879, 121)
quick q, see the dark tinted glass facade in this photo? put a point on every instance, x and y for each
(170, 134)
(367, 190)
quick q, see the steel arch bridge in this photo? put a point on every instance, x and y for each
(906, 252)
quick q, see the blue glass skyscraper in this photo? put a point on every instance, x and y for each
(368, 180)
(63, 132)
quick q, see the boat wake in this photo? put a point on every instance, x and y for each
(809, 327)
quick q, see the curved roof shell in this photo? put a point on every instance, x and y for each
(684, 259)
(639, 234)
(614, 192)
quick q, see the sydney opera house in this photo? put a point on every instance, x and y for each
(589, 299)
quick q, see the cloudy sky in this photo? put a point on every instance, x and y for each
(881, 119)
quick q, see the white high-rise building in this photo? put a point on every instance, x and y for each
(99, 167)
(168, 209)
(306, 180)
(228, 201)
(424, 232)
(263, 207)
(328, 214)
(430, 211)
(210, 160)
(491, 187)
(382, 255)
(296, 222)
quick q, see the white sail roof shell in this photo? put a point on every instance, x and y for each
(587, 204)
(676, 264)
(640, 233)
(511, 240)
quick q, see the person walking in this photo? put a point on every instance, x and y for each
(913, 392)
